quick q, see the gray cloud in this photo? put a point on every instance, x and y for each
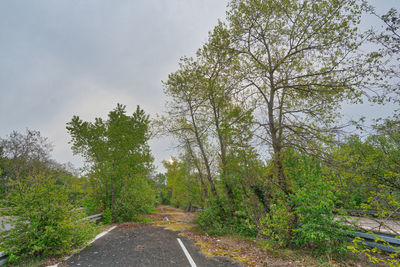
(72, 57)
(65, 58)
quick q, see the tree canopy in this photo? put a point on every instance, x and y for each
(119, 157)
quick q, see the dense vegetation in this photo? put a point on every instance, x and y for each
(120, 161)
(257, 115)
(264, 148)
(48, 201)
(42, 198)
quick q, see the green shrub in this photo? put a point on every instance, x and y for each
(242, 225)
(107, 216)
(91, 204)
(137, 197)
(313, 199)
(276, 224)
(211, 220)
(217, 222)
(46, 223)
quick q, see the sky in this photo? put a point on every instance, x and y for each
(82, 57)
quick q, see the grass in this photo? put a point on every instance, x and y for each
(30, 262)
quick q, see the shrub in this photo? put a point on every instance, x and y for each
(107, 217)
(212, 220)
(217, 222)
(137, 197)
(276, 224)
(46, 223)
(313, 199)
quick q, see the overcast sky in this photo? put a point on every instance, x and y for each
(82, 57)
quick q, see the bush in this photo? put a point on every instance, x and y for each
(107, 216)
(277, 223)
(216, 222)
(46, 223)
(137, 197)
(313, 199)
(211, 219)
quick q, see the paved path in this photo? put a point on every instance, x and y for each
(391, 227)
(142, 246)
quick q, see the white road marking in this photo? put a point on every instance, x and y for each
(192, 264)
(102, 234)
(97, 237)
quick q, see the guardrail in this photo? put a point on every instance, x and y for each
(3, 258)
(375, 241)
(92, 218)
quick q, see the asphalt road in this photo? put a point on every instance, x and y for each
(143, 246)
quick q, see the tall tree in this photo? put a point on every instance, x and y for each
(300, 60)
(117, 151)
(25, 153)
(186, 110)
(387, 53)
(21, 156)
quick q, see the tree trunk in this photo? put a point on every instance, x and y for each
(222, 146)
(203, 153)
(196, 163)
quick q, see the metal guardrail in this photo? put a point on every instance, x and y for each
(3, 258)
(374, 241)
(92, 218)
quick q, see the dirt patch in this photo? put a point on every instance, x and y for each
(130, 226)
(53, 261)
(248, 252)
(172, 219)
(244, 251)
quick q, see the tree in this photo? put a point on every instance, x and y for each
(182, 183)
(300, 61)
(185, 116)
(119, 157)
(25, 154)
(164, 192)
(369, 167)
(204, 111)
(388, 54)
(21, 156)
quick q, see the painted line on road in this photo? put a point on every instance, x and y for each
(97, 237)
(192, 264)
(102, 234)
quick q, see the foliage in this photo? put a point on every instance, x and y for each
(392, 259)
(388, 54)
(369, 170)
(214, 222)
(119, 158)
(182, 185)
(164, 192)
(107, 217)
(211, 220)
(136, 197)
(21, 155)
(256, 114)
(275, 226)
(314, 200)
(46, 222)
